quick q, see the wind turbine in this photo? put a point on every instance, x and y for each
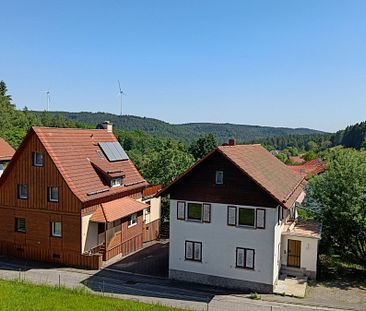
(120, 94)
(48, 97)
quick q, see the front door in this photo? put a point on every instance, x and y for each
(294, 253)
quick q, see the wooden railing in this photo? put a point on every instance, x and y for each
(126, 247)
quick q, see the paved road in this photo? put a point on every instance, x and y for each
(138, 287)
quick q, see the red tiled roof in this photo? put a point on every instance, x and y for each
(301, 227)
(267, 171)
(117, 209)
(152, 190)
(6, 151)
(308, 169)
(74, 150)
(263, 168)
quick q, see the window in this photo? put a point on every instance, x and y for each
(193, 251)
(194, 211)
(23, 191)
(116, 182)
(246, 217)
(132, 220)
(37, 159)
(245, 258)
(231, 215)
(116, 223)
(56, 229)
(53, 194)
(181, 210)
(260, 218)
(20, 225)
(219, 177)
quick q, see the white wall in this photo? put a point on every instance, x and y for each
(155, 210)
(219, 242)
(309, 251)
(277, 248)
(89, 233)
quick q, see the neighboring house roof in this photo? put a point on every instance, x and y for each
(75, 150)
(117, 209)
(264, 169)
(6, 151)
(297, 159)
(301, 227)
(309, 169)
(151, 191)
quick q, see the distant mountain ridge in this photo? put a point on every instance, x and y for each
(187, 131)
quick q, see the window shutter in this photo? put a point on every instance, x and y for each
(197, 251)
(240, 257)
(231, 215)
(189, 250)
(249, 259)
(261, 218)
(206, 214)
(181, 210)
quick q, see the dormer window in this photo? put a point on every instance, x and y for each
(219, 179)
(116, 182)
(37, 159)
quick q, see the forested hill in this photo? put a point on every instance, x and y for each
(186, 132)
(353, 136)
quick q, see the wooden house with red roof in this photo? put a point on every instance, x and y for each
(74, 197)
(6, 154)
(233, 221)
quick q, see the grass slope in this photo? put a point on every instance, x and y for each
(20, 296)
(186, 132)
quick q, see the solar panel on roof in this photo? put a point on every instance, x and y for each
(113, 151)
(121, 151)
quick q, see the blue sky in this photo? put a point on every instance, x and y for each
(280, 63)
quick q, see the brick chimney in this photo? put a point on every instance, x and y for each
(106, 125)
(232, 142)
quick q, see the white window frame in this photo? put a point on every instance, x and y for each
(193, 219)
(219, 177)
(56, 229)
(132, 220)
(238, 217)
(21, 195)
(116, 182)
(35, 158)
(50, 198)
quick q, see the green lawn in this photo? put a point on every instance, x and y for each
(20, 296)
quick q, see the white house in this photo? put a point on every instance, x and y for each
(233, 221)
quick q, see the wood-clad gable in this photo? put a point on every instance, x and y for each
(237, 188)
(38, 179)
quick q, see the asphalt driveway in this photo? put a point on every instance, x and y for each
(152, 260)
